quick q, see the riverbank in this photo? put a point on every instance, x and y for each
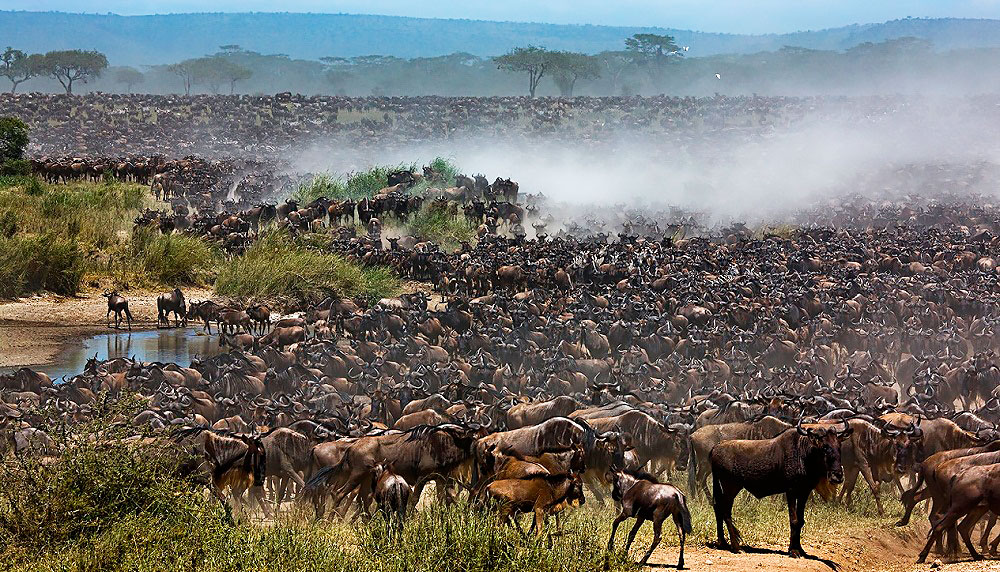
(36, 329)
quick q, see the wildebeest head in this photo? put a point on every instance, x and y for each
(907, 446)
(255, 459)
(821, 450)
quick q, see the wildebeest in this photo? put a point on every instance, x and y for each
(392, 495)
(644, 498)
(171, 303)
(541, 495)
(704, 439)
(792, 463)
(118, 305)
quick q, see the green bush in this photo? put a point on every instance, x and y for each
(15, 168)
(13, 138)
(276, 266)
(39, 262)
(320, 186)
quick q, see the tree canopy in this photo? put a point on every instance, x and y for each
(69, 66)
(19, 67)
(534, 60)
(13, 139)
(129, 77)
(568, 67)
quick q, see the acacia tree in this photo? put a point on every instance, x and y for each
(18, 67)
(534, 59)
(129, 77)
(568, 67)
(68, 66)
(186, 71)
(652, 51)
(614, 65)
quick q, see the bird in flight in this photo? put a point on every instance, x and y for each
(718, 76)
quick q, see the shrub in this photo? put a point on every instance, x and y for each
(13, 138)
(15, 168)
(173, 259)
(277, 266)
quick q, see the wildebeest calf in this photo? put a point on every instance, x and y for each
(644, 498)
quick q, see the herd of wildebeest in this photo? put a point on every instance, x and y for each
(602, 355)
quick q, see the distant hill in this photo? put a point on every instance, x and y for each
(141, 40)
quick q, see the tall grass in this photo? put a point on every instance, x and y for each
(276, 266)
(50, 235)
(39, 262)
(150, 258)
(435, 222)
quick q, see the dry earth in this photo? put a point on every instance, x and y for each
(862, 551)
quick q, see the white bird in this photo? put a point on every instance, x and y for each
(718, 76)
(686, 48)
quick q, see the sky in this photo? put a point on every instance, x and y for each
(732, 16)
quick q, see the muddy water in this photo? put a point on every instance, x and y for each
(179, 345)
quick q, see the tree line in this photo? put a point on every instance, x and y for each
(646, 64)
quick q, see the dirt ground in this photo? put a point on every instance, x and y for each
(868, 551)
(34, 330)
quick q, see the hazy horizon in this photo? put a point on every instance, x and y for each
(722, 16)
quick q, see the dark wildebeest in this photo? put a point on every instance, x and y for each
(704, 439)
(644, 498)
(171, 303)
(792, 463)
(118, 305)
(392, 495)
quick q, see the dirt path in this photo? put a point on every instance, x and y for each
(34, 330)
(869, 551)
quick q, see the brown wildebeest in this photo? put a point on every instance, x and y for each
(260, 316)
(171, 303)
(234, 461)
(542, 495)
(392, 495)
(118, 305)
(418, 455)
(971, 492)
(524, 414)
(644, 498)
(793, 463)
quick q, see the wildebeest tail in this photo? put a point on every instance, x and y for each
(128, 312)
(685, 516)
(321, 477)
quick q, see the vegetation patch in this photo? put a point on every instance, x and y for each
(278, 267)
(170, 259)
(437, 223)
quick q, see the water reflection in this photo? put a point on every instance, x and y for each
(179, 345)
